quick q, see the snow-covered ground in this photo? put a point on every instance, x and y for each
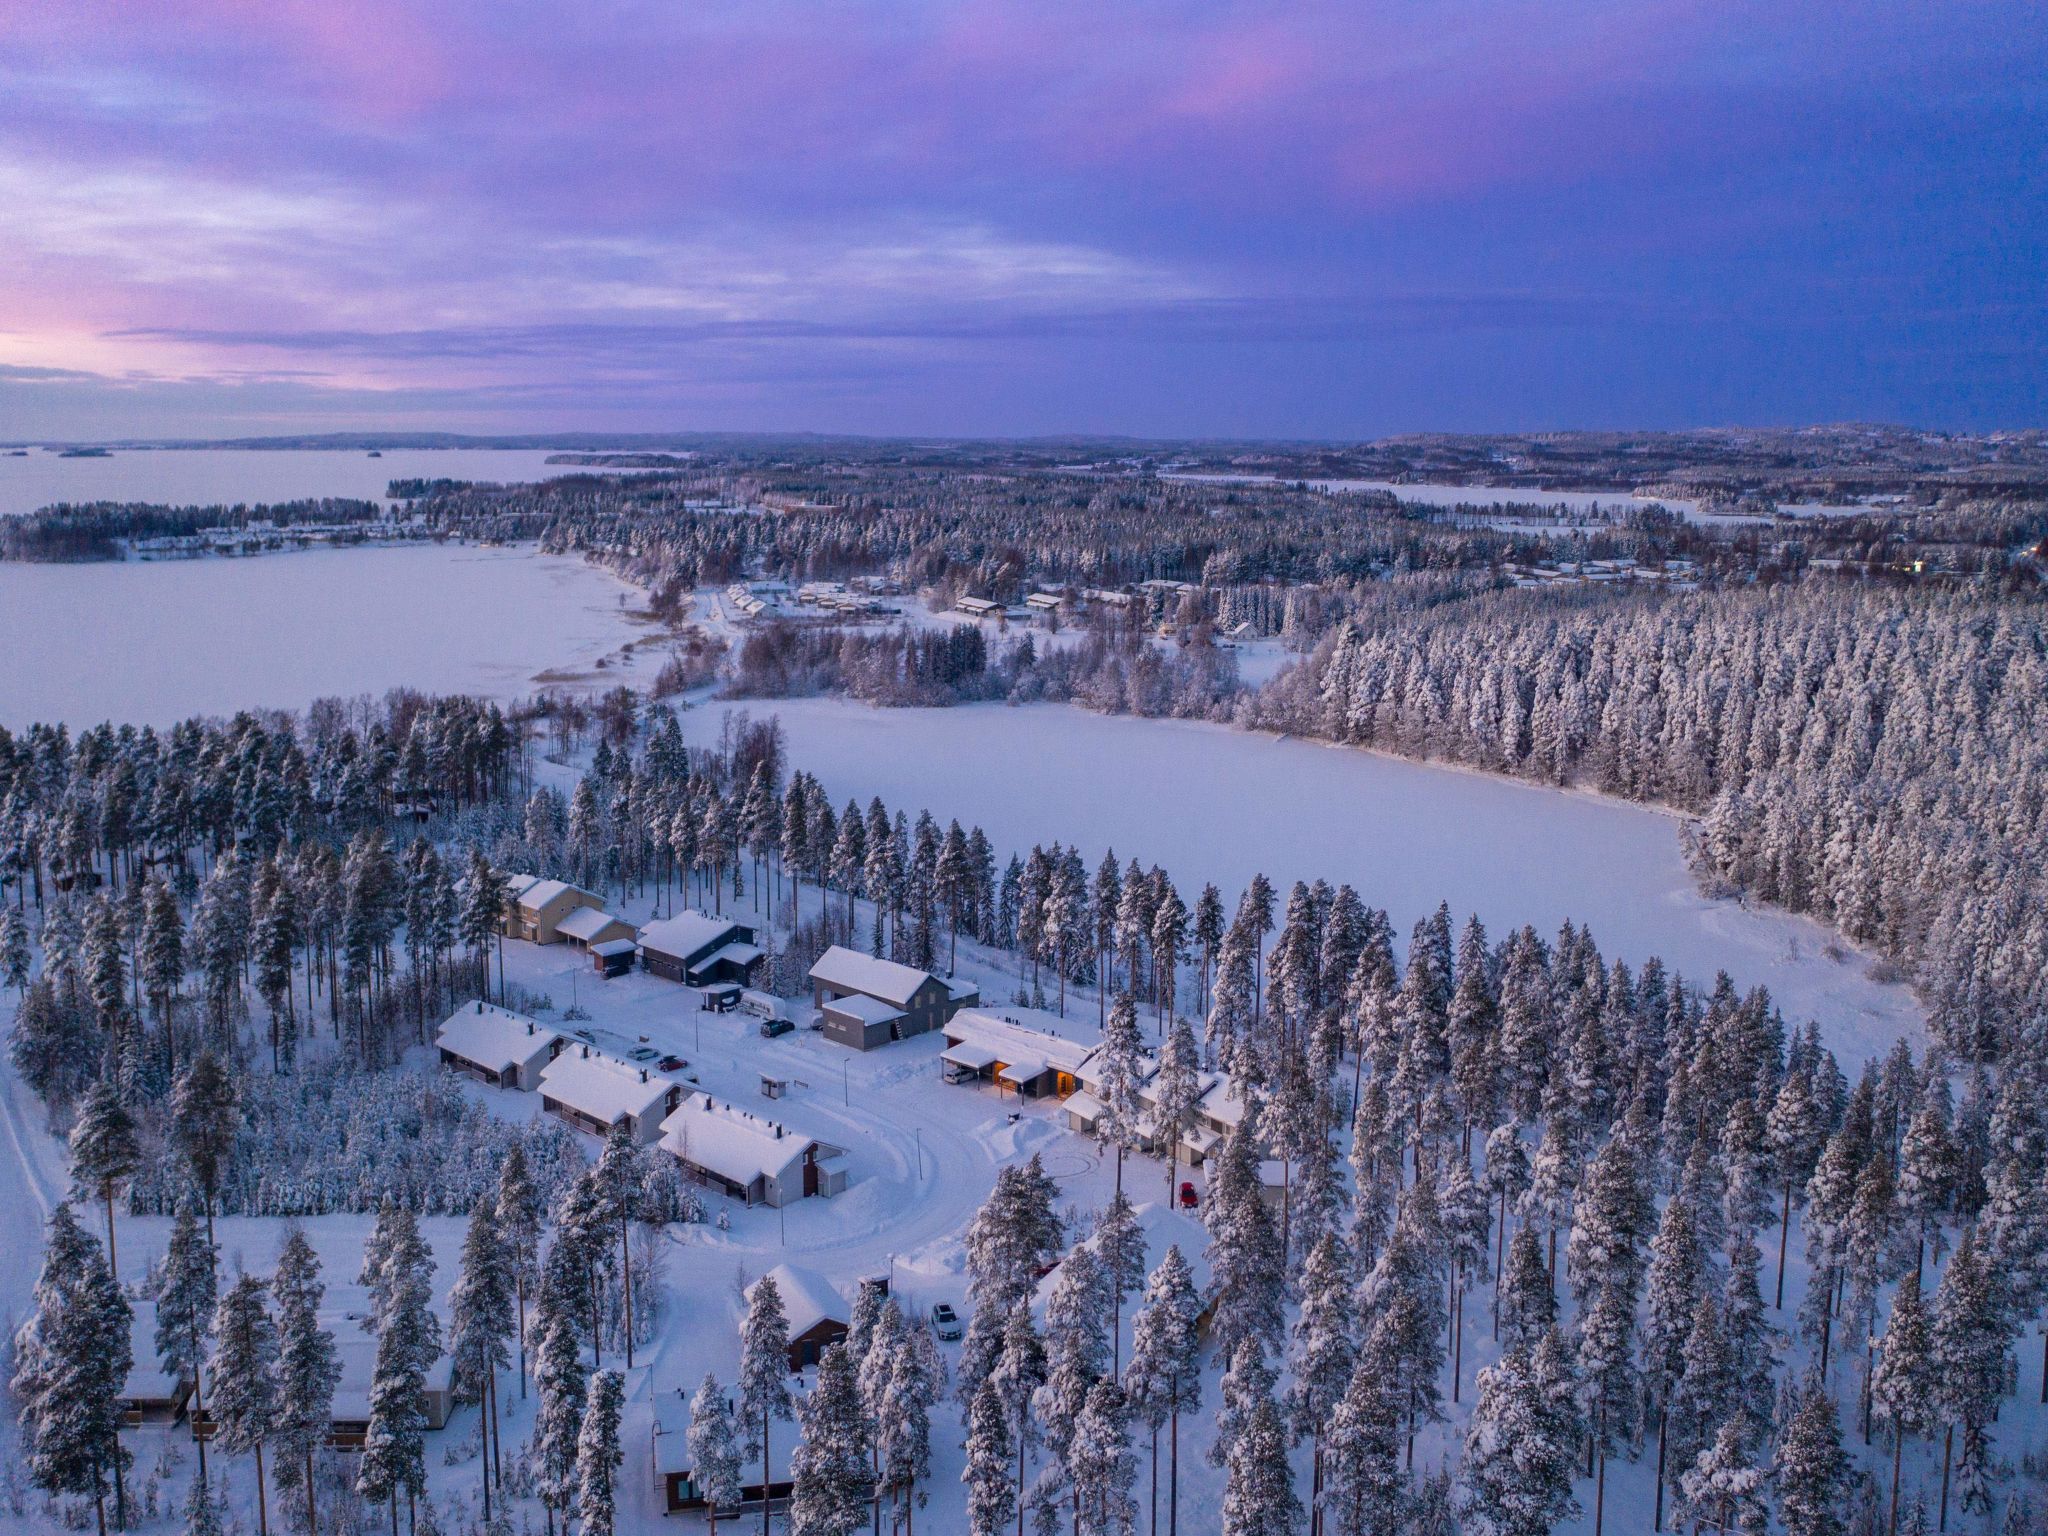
(225, 476)
(157, 641)
(1214, 804)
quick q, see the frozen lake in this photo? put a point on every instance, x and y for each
(226, 476)
(1211, 803)
(153, 642)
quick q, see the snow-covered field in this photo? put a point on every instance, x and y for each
(1214, 804)
(156, 641)
(225, 476)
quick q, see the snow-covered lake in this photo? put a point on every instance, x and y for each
(1211, 803)
(226, 476)
(156, 641)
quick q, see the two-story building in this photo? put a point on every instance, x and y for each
(911, 1001)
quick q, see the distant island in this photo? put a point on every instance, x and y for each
(86, 453)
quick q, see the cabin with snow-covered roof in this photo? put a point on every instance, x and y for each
(817, 1314)
(746, 1156)
(497, 1046)
(593, 1092)
(534, 909)
(1032, 1058)
(915, 1002)
(699, 950)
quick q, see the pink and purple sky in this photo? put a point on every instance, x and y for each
(233, 217)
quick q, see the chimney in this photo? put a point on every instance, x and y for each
(643, 1074)
(586, 1053)
(479, 1005)
(529, 1026)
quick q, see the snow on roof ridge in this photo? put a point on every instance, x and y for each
(886, 979)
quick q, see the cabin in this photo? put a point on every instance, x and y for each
(914, 1002)
(593, 1092)
(674, 1476)
(150, 1394)
(980, 607)
(614, 957)
(816, 1312)
(746, 1156)
(593, 925)
(497, 1046)
(1044, 602)
(534, 909)
(698, 950)
(1029, 1058)
(356, 1353)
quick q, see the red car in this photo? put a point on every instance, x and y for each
(1189, 1199)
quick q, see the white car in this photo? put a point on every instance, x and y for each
(945, 1321)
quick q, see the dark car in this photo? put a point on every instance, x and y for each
(770, 1028)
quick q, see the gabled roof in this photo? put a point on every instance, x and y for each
(587, 922)
(1017, 1041)
(541, 892)
(808, 1298)
(734, 1143)
(602, 1086)
(869, 1010)
(493, 1037)
(686, 935)
(856, 972)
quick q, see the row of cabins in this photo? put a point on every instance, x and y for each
(153, 1395)
(689, 947)
(718, 1144)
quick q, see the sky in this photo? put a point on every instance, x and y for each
(1156, 217)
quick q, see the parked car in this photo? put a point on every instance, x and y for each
(642, 1053)
(671, 1063)
(945, 1321)
(585, 1036)
(770, 1028)
(1189, 1198)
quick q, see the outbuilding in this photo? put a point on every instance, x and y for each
(614, 957)
(593, 925)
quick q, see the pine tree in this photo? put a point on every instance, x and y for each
(561, 1388)
(1903, 1383)
(71, 1362)
(519, 1222)
(480, 1319)
(1176, 1089)
(904, 1421)
(1077, 1356)
(598, 1456)
(1258, 1488)
(831, 1480)
(1325, 1348)
(1812, 1470)
(1724, 1488)
(184, 1307)
(246, 1400)
(1363, 1483)
(307, 1367)
(1121, 1060)
(714, 1449)
(1017, 1374)
(1101, 1465)
(408, 1342)
(1516, 1478)
(1968, 1341)
(205, 1114)
(764, 1374)
(991, 1488)
(104, 1150)
(1527, 1304)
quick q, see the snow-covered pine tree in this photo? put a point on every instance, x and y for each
(764, 1375)
(1258, 1488)
(480, 1320)
(518, 1206)
(184, 1308)
(1969, 1342)
(561, 1387)
(1724, 1488)
(205, 1114)
(1018, 1373)
(1119, 1244)
(1812, 1471)
(104, 1150)
(307, 1368)
(714, 1449)
(905, 1422)
(598, 1455)
(71, 1361)
(408, 1342)
(246, 1400)
(831, 1476)
(1364, 1487)
(1903, 1380)
(1176, 1090)
(1121, 1058)
(1515, 1480)
(1324, 1349)
(991, 1484)
(1077, 1356)
(1100, 1464)
(1248, 1267)
(1164, 1378)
